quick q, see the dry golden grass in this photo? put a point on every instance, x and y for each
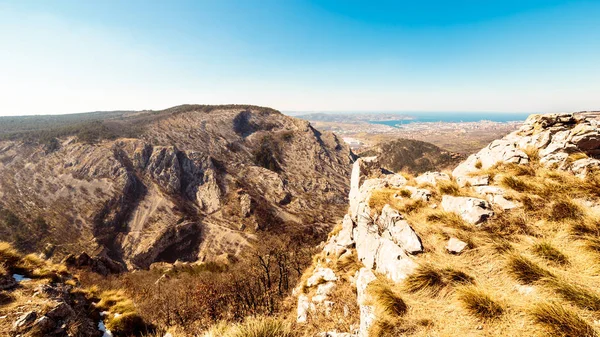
(525, 270)
(115, 301)
(576, 156)
(348, 263)
(589, 226)
(506, 224)
(380, 198)
(404, 193)
(515, 183)
(127, 324)
(560, 321)
(448, 187)
(448, 219)
(261, 327)
(8, 255)
(410, 206)
(429, 279)
(479, 303)
(546, 251)
(576, 295)
(533, 153)
(390, 327)
(565, 210)
(32, 261)
(385, 300)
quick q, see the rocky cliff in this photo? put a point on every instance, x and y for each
(195, 182)
(498, 247)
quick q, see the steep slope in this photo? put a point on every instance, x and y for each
(194, 183)
(509, 248)
(412, 156)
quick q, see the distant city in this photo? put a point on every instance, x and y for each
(462, 132)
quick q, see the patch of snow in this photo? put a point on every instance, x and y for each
(104, 330)
(21, 278)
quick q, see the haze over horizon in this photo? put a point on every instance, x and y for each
(510, 56)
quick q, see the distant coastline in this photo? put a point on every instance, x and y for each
(455, 118)
(398, 118)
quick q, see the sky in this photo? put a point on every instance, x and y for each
(483, 55)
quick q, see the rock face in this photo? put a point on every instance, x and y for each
(194, 183)
(431, 178)
(383, 242)
(472, 210)
(367, 312)
(399, 231)
(555, 137)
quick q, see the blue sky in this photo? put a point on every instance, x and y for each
(510, 56)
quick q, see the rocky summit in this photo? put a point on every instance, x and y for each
(192, 183)
(502, 246)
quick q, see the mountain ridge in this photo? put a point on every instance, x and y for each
(228, 168)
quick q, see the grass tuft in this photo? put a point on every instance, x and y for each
(526, 271)
(533, 153)
(430, 279)
(479, 303)
(252, 327)
(565, 210)
(405, 193)
(592, 243)
(450, 219)
(32, 261)
(8, 255)
(589, 226)
(115, 301)
(514, 183)
(386, 300)
(546, 251)
(448, 187)
(411, 206)
(390, 327)
(127, 324)
(560, 321)
(575, 295)
(348, 263)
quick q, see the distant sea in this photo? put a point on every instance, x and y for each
(454, 117)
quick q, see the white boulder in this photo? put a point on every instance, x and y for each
(431, 178)
(399, 231)
(455, 246)
(321, 275)
(472, 210)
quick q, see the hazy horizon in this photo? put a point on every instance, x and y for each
(321, 55)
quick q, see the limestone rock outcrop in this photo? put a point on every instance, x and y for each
(554, 137)
(383, 241)
(432, 178)
(472, 210)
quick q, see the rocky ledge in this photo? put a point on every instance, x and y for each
(385, 243)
